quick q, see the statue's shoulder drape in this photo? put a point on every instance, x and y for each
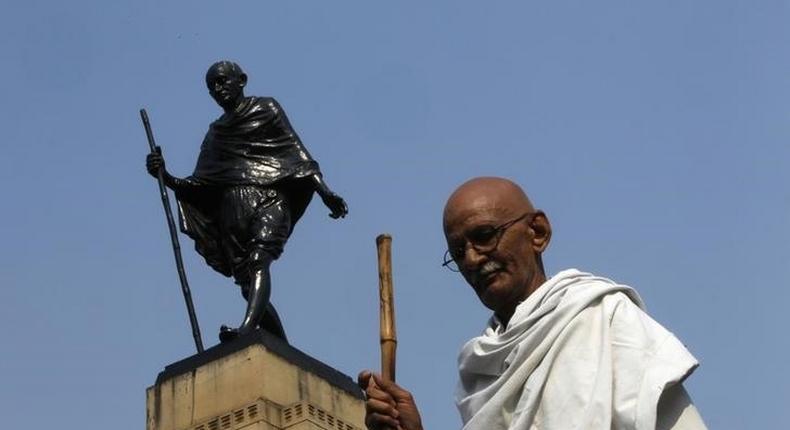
(254, 145)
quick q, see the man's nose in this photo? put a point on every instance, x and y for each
(473, 258)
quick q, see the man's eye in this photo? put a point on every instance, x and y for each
(482, 235)
(457, 252)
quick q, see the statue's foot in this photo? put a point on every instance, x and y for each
(227, 334)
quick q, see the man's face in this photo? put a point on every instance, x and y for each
(503, 276)
(225, 85)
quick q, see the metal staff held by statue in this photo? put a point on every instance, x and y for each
(182, 276)
(389, 340)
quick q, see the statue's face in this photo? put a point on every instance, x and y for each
(226, 86)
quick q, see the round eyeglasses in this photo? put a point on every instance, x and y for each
(483, 239)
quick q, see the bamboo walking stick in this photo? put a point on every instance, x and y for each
(171, 224)
(389, 340)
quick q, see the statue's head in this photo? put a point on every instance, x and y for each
(225, 81)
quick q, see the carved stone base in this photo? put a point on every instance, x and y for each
(256, 382)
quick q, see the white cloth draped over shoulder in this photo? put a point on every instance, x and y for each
(578, 353)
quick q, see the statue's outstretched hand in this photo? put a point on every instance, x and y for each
(336, 204)
(154, 161)
(387, 405)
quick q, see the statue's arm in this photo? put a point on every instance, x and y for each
(320, 185)
(334, 202)
(181, 186)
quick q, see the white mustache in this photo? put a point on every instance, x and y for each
(489, 268)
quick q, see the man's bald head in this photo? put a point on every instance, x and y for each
(496, 237)
(489, 191)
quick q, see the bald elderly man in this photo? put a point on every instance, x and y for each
(574, 351)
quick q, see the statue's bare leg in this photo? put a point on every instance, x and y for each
(257, 295)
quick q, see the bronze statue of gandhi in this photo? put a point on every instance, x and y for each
(253, 181)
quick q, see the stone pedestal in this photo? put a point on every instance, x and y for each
(256, 382)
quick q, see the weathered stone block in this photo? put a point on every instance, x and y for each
(256, 382)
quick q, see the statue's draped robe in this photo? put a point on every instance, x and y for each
(251, 151)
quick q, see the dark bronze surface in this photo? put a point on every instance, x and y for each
(253, 181)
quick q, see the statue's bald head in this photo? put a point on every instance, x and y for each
(496, 238)
(223, 66)
(225, 81)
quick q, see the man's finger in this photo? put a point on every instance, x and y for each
(381, 407)
(375, 393)
(381, 422)
(369, 378)
(363, 379)
(377, 388)
(391, 388)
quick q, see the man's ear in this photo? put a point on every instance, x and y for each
(542, 231)
(243, 79)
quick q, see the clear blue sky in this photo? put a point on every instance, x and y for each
(656, 136)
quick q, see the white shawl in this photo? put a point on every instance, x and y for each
(578, 353)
